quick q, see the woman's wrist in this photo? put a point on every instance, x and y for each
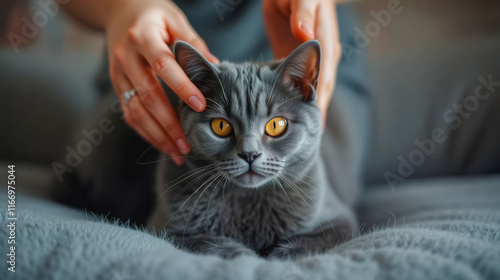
(94, 14)
(117, 11)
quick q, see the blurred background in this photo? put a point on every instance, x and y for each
(420, 60)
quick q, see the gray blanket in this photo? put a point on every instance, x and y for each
(429, 229)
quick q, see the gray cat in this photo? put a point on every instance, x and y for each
(255, 181)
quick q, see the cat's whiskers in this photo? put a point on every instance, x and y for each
(160, 159)
(274, 189)
(186, 176)
(293, 187)
(312, 200)
(183, 204)
(294, 175)
(196, 180)
(304, 175)
(263, 172)
(209, 183)
(212, 107)
(314, 203)
(289, 99)
(272, 89)
(216, 106)
(267, 186)
(223, 191)
(302, 180)
(222, 87)
(284, 191)
(211, 165)
(211, 168)
(233, 170)
(223, 177)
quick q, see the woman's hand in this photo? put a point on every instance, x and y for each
(292, 22)
(138, 35)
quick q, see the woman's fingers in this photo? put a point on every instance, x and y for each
(278, 29)
(154, 49)
(160, 107)
(182, 30)
(155, 102)
(328, 36)
(138, 39)
(141, 120)
(147, 127)
(303, 19)
(317, 19)
(150, 130)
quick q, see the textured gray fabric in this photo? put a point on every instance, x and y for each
(459, 239)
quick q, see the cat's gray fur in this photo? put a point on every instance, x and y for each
(294, 207)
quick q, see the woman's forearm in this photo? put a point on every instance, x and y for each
(92, 13)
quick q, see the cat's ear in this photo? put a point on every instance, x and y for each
(301, 69)
(196, 67)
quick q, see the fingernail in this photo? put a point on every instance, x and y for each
(195, 103)
(177, 158)
(212, 57)
(183, 146)
(307, 28)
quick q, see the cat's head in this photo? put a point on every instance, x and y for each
(261, 120)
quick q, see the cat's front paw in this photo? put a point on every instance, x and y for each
(288, 250)
(297, 247)
(224, 247)
(228, 249)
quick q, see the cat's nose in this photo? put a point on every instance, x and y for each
(249, 156)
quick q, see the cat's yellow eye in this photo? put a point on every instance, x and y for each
(276, 126)
(221, 127)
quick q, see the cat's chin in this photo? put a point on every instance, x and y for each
(250, 180)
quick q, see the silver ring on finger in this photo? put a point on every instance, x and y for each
(128, 95)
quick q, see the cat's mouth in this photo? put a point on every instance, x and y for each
(250, 179)
(249, 173)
